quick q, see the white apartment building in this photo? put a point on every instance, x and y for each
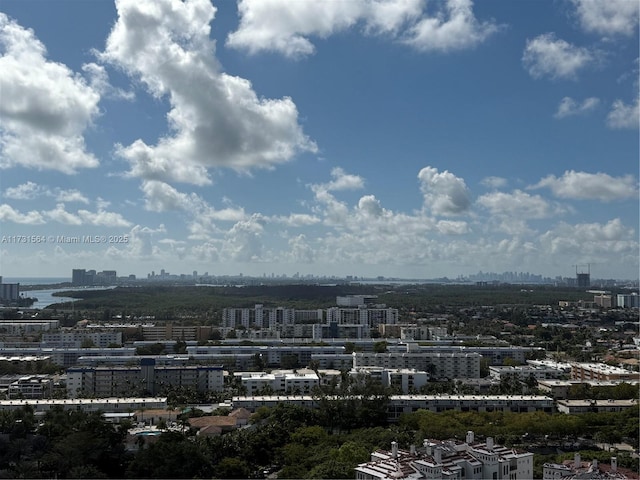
(67, 357)
(438, 365)
(75, 338)
(284, 381)
(496, 355)
(628, 300)
(362, 315)
(261, 317)
(352, 321)
(450, 459)
(407, 380)
(26, 326)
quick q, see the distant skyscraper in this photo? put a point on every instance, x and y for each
(583, 280)
(9, 292)
(77, 276)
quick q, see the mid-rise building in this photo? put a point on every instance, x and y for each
(31, 387)
(279, 355)
(145, 378)
(631, 300)
(353, 321)
(406, 380)
(79, 337)
(279, 381)
(438, 365)
(355, 300)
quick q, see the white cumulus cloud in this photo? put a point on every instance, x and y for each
(287, 27)
(608, 17)
(102, 218)
(343, 181)
(216, 119)
(9, 214)
(45, 107)
(590, 186)
(548, 56)
(592, 240)
(453, 28)
(569, 107)
(25, 191)
(66, 196)
(444, 193)
(494, 182)
(516, 204)
(624, 116)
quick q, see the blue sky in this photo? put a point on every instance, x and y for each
(402, 138)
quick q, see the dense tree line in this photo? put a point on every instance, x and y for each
(295, 441)
(175, 302)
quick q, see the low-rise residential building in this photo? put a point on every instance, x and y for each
(104, 405)
(559, 389)
(25, 363)
(524, 372)
(595, 406)
(601, 371)
(400, 404)
(450, 459)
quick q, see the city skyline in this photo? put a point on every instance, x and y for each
(393, 138)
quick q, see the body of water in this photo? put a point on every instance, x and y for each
(36, 280)
(45, 297)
